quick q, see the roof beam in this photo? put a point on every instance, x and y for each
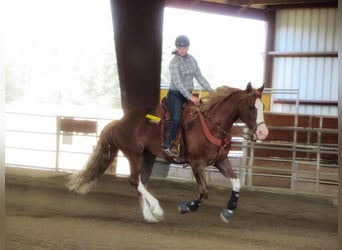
(259, 4)
(220, 8)
(280, 3)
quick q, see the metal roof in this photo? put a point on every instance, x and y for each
(276, 4)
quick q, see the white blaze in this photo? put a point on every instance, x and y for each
(262, 130)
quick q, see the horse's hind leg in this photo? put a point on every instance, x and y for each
(147, 167)
(226, 169)
(141, 167)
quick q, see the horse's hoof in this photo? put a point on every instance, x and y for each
(183, 208)
(152, 220)
(226, 214)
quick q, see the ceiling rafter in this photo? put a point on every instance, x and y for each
(276, 4)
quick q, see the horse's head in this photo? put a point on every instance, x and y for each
(251, 112)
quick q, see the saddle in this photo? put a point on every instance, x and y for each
(188, 116)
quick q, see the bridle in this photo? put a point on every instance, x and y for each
(252, 133)
(245, 135)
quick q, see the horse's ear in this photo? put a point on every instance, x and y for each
(249, 87)
(261, 89)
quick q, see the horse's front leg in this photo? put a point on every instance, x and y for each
(192, 206)
(226, 169)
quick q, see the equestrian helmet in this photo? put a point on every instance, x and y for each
(182, 41)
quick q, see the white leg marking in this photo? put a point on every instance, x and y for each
(150, 203)
(236, 185)
(147, 213)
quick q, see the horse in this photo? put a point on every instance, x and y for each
(207, 140)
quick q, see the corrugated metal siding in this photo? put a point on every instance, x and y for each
(307, 30)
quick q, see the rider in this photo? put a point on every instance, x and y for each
(183, 68)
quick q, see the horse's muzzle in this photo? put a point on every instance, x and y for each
(261, 132)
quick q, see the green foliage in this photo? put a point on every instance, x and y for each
(13, 86)
(54, 81)
(101, 86)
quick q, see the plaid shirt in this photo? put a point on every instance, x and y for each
(183, 70)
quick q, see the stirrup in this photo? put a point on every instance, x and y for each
(171, 153)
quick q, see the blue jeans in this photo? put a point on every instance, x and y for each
(174, 101)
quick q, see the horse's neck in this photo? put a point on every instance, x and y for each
(226, 113)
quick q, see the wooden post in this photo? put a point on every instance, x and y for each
(138, 43)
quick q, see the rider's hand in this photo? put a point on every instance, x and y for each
(195, 100)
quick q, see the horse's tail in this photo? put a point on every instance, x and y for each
(99, 160)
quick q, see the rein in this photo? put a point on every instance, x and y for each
(225, 141)
(222, 143)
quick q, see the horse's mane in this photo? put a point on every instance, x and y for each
(215, 98)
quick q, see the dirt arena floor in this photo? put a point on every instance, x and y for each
(42, 214)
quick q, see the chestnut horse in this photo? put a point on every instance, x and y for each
(206, 138)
